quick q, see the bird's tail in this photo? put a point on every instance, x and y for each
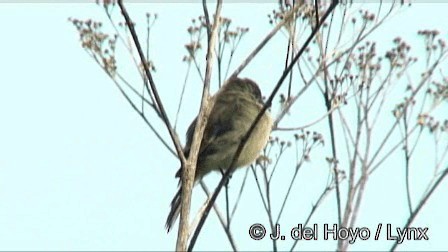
(175, 210)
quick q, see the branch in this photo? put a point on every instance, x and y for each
(189, 171)
(247, 135)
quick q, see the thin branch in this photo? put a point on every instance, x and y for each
(239, 194)
(311, 123)
(140, 113)
(264, 42)
(221, 219)
(263, 200)
(207, 18)
(328, 103)
(182, 94)
(421, 205)
(269, 206)
(313, 210)
(407, 157)
(158, 101)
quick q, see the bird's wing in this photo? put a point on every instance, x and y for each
(220, 125)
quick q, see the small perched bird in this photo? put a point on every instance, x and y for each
(235, 107)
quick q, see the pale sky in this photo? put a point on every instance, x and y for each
(80, 170)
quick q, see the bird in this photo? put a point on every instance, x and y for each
(235, 107)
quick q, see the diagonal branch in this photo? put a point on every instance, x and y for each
(260, 46)
(421, 205)
(188, 173)
(158, 101)
(268, 103)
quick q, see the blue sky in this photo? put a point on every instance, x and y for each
(79, 169)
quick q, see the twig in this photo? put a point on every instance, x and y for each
(311, 123)
(140, 113)
(269, 206)
(240, 193)
(182, 94)
(259, 188)
(313, 210)
(407, 157)
(328, 104)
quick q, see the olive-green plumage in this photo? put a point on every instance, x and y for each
(235, 107)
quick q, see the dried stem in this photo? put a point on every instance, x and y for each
(200, 126)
